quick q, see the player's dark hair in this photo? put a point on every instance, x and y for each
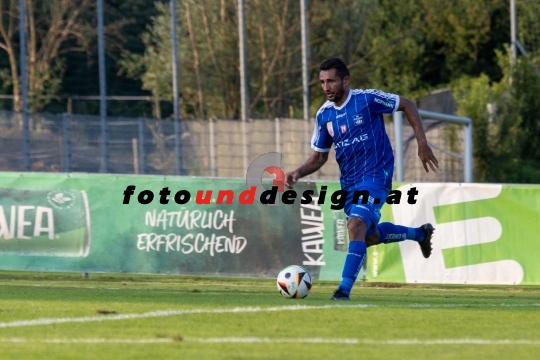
(336, 63)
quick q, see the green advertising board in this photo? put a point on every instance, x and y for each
(37, 233)
(485, 233)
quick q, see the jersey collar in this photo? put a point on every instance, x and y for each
(345, 103)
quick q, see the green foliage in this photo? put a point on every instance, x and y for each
(153, 67)
(5, 79)
(407, 49)
(217, 37)
(506, 126)
(473, 97)
(458, 33)
(50, 82)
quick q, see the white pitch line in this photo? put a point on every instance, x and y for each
(165, 313)
(264, 340)
(457, 305)
(365, 341)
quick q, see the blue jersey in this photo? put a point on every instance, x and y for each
(356, 129)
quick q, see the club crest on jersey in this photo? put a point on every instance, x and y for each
(358, 119)
(343, 129)
(330, 128)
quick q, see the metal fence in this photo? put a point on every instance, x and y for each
(73, 143)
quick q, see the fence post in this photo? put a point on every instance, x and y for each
(244, 93)
(24, 88)
(305, 71)
(176, 91)
(142, 154)
(212, 145)
(135, 148)
(468, 153)
(278, 135)
(104, 168)
(66, 125)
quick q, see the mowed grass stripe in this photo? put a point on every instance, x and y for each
(255, 340)
(167, 313)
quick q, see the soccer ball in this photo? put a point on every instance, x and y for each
(294, 282)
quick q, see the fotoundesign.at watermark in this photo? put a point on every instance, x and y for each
(256, 191)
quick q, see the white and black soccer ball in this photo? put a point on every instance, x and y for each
(294, 282)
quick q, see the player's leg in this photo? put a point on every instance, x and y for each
(355, 258)
(362, 220)
(391, 233)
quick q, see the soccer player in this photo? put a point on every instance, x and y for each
(352, 120)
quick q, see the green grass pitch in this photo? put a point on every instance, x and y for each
(63, 316)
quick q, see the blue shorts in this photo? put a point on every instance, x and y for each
(370, 212)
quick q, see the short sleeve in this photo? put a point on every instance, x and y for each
(321, 140)
(382, 102)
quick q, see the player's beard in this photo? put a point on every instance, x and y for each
(338, 95)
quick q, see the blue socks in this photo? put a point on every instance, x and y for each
(353, 263)
(390, 233)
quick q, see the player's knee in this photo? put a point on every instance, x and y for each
(372, 239)
(357, 228)
(355, 223)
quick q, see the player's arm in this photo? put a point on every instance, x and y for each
(424, 150)
(312, 164)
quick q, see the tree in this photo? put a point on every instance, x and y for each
(156, 63)
(408, 49)
(55, 29)
(49, 25)
(506, 131)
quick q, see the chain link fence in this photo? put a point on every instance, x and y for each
(214, 148)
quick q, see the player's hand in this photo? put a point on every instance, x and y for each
(428, 158)
(291, 178)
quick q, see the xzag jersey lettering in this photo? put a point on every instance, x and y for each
(356, 130)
